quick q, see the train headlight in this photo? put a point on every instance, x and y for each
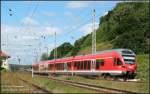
(130, 67)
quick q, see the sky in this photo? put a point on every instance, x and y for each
(28, 27)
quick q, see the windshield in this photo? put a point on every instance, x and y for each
(129, 59)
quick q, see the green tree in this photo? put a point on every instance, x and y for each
(62, 50)
(44, 56)
(125, 26)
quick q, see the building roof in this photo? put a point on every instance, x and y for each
(3, 54)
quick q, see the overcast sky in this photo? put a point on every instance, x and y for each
(27, 27)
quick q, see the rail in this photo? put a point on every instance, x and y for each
(93, 87)
(36, 86)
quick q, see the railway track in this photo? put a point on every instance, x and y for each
(93, 87)
(41, 89)
(106, 79)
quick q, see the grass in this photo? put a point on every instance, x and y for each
(10, 78)
(100, 47)
(136, 87)
(143, 67)
(11, 84)
(54, 86)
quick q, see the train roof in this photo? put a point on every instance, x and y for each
(90, 56)
(121, 50)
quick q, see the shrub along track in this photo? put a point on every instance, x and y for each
(117, 80)
(92, 87)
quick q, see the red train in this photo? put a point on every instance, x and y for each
(116, 62)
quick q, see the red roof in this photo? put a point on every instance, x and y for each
(2, 54)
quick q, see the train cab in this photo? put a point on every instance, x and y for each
(128, 62)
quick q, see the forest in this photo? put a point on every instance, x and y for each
(125, 26)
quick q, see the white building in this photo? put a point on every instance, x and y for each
(4, 63)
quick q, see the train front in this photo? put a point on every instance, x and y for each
(129, 58)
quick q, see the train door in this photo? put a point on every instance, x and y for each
(65, 66)
(93, 62)
(46, 67)
(99, 64)
(117, 64)
(40, 67)
(69, 66)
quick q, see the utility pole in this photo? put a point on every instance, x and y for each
(93, 41)
(93, 34)
(46, 50)
(19, 59)
(39, 52)
(35, 54)
(32, 71)
(55, 48)
(55, 51)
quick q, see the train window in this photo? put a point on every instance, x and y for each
(77, 64)
(129, 61)
(88, 65)
(115, 61)
(65, 66)
(69, 65)
(100, 63)
(57, 66)
(85, 64)
(126, 52)
(119, 61)
(62, 66)
(81, 65)
(50, 66)
(35, 67)
(97, 65)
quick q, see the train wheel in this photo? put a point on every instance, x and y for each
(126, 76)
(107, 76)
(132, 76)
(114, 78)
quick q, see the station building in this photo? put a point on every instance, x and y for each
(4, 60)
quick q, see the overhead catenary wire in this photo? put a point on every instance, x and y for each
(29, 15)
(12, 11)
(87, 21)
(78, 26)
(76, 17)
(74, 28)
